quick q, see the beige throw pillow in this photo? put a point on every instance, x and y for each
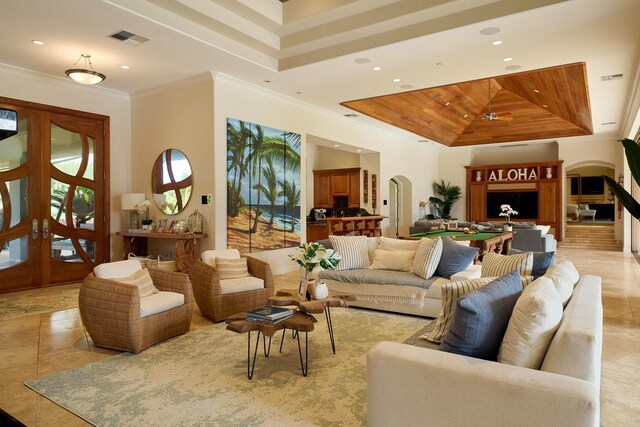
(535, 319)
(372, 246)
(353, 249)
(427, 257)
(232, 268)
(565, 277)
(496, 265)
(142, 280)
(392, 260)
(389, 244)
(450, 294)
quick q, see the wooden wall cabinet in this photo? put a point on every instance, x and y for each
(544, 178)
(330, 183)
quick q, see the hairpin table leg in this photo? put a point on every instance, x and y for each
(251, 366)
(266, 349)
(305, 365)
(327, 312)
(282, 341)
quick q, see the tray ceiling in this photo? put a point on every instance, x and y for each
(546, 103)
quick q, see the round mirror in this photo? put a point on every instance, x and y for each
(171, 181)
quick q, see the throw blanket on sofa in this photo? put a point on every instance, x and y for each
(378, 277)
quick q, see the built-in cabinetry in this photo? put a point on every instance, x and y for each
(360, 225)
(336, 188)
(532, 189)
(317, 231)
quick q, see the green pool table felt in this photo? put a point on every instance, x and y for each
(459, 235)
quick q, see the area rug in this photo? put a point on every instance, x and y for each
(38, 301)
(418, 340)
(200, 378)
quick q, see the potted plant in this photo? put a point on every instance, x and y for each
(314, 256)
(450, 194)
(143, 208)
(507, 211)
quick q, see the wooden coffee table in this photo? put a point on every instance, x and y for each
(290, 297)
(299, 322)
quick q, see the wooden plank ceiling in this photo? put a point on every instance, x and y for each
(543, 104)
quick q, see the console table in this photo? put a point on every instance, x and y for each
(187, 245)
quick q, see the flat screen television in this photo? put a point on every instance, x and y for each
(525, 202)
(592, 185)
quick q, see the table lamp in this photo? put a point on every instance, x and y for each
(128, 202)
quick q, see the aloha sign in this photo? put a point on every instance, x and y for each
(513, 174)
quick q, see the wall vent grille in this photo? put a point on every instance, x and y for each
(128, 37)
(611, 77)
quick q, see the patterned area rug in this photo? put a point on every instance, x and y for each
(38, 301)
(200, 378)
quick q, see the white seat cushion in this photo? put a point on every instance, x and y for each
(209, 257)
(117, 269)
(242, 284)
(162, 301)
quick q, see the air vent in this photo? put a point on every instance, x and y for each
(514, 145)
(611, 77)
(351, 115)
(129, 38)
(608, 123)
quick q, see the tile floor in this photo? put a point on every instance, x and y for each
(38, 345)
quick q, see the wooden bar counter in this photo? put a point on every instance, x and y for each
(369, 226)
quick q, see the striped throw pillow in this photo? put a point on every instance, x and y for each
(496, 265)
(427, 257)
(142, 280)
(450, 294)
(232, 268)
(353, 249)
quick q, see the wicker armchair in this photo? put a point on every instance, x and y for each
(216, 305)
(111, 311)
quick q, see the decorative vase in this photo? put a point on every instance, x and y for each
(196, 220)
(181, 226)
(507, 227)
(549, 175)
(311, 288)
(478, 175)
(321, 291)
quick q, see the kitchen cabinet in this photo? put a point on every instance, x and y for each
(330, 183)
(317, 231)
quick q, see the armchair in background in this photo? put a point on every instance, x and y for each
(533, 240)
(220, 298)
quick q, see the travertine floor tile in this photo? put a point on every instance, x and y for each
(18, 356)
(50, 414)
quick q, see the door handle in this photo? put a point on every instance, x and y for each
(45, 228)
(34, 229)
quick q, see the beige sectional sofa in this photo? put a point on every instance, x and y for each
(412, 386)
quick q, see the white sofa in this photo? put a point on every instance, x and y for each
(412, 386)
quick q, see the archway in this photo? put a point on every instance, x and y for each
(400, 204)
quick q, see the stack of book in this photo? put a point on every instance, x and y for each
(269, 314)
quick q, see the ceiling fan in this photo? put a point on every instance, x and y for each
(490, 115)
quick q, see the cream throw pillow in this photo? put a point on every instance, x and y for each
(232, 268)
(450, 294)
(427, 257)
(372, 246)
(389, 244)
(496, 265)
(565, 277)
(535, 319)
(142, 280)
(392, 260)
(353, 249)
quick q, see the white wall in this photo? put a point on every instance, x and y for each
(60, 92)
(451, 168)
(179, 115)
(240, 100)
(499, 154)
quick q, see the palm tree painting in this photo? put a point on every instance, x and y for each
(263, 187)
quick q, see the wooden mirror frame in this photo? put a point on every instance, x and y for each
(159, 187)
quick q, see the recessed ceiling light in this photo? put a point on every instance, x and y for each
(359, 151)
(507, 59)
(125, 67)
(336, 145)
(38, 42)
(489, 31)
(407, 86)
(267, 81)
(496, 42)
(536, 91)
(447, 104)
(440, 64)
(377, 68)
(465, 116)
(545, 105)
(512, 67)
(362, 60)
(396, 80)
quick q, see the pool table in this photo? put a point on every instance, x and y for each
(495, 241)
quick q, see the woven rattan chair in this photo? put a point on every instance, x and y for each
(111, 311)
(217, 305)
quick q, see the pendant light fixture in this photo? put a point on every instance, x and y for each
(85, 75)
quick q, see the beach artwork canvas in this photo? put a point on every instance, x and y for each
(263, 187)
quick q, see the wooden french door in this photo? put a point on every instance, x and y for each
(53, 197)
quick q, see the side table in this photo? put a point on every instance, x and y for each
(299, 322)
(290, 297)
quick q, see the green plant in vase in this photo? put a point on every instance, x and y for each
(312, 257)
(450, 194)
